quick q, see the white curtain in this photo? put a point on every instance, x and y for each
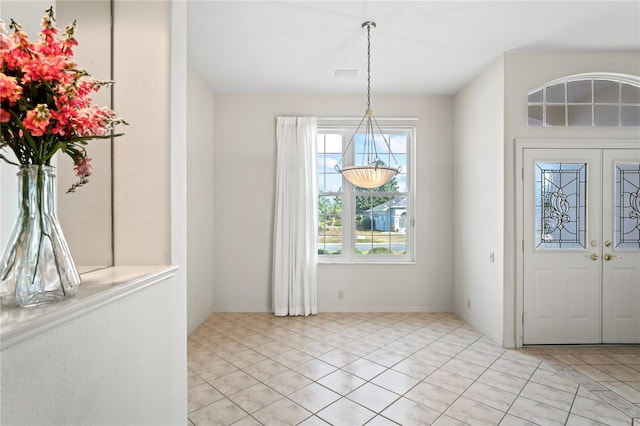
(295, 225)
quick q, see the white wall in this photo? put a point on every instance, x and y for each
(523, 72)
(110, 366)
(85, 215)
(490, 113)
(144, 337)
(478, 204)
(178, 210)
(142, 157)
(200, 199)
(244, 167)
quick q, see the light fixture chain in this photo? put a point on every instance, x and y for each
(373, 172)
(369, 66)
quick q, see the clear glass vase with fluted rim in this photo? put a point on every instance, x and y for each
(37, 267)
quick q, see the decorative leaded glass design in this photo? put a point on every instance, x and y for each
(627, 209)
(561, 205)
(586, 100)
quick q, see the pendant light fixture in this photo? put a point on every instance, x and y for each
(371, 171)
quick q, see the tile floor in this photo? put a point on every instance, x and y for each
(349, 369)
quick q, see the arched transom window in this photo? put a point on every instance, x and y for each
(595, 99)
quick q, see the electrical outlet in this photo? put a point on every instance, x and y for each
(340, 294)
(468, 303)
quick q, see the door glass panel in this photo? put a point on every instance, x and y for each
(580, 115)
(556, 115)
(560, 205)
(579, 91)
(535, 115)
(627, 206)
(606, 91)
(630, 94)
(535, 97)
(630, 115)
(607, 115)
(555, 94)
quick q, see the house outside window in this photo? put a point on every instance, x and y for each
(357, 225)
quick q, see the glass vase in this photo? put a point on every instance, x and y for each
(36, 266)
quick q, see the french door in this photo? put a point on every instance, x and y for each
(581, 264)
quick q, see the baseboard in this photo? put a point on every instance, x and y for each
(509, 344)
(487, 332)
(385, 309)
(201, 318)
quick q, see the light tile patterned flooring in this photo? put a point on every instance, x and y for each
(349, 369)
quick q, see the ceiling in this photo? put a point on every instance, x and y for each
(420, 47)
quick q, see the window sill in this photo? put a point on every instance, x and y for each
(375, 262)
(97, 289)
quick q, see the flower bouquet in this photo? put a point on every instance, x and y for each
(45, 107)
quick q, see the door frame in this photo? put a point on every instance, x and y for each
(555, 143)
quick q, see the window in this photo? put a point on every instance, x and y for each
(626, 224)
(357, 225)
(600, 100)
(561, 208)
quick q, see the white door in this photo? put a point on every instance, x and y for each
(621, 249)
(581, 246)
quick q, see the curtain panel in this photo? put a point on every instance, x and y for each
(296, 218)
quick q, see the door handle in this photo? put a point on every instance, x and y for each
(593, 256)
(609, 257)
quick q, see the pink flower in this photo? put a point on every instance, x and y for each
(47, 68)
(37, 120)
(83, 168)
(9, 89)
(45, 98)
(83, 171)
(5, 117)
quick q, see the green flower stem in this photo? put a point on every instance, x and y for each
(25, 132)
(24, 202)
(2, 157)
(39, 195)
(52, 152)
(41, 210)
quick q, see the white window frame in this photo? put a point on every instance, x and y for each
(620, 79)
(348, 256)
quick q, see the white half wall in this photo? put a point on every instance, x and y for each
(122, 362)
(125, 363)
(244, 182)
(200, 200)
(478, 201)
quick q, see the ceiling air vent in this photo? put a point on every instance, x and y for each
(346, 72)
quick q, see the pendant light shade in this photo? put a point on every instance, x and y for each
(369, 176)
(372, 172)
